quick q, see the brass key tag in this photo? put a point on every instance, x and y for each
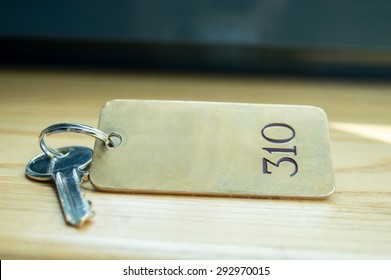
(206, 148)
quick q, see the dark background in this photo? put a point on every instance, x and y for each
(337, 38)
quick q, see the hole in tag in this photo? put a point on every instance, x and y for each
(115, 140)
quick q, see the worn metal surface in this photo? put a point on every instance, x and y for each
(214, 149)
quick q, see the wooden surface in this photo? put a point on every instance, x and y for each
(353, 223)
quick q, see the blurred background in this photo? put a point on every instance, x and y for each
(312, 37)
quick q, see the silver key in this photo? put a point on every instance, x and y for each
(68, 172)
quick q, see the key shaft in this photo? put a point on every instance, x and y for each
(76, 208)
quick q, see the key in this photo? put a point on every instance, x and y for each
(68, 172)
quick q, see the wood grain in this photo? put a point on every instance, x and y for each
(353, 223)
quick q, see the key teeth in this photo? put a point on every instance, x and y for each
(83, 221)
(85, 175)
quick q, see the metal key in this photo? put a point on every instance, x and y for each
(68, 173)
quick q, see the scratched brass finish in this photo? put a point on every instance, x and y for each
(224, 149)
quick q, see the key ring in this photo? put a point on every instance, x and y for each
(70, 127)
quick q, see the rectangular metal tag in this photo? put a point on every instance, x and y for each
(208, 148)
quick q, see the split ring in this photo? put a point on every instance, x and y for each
(74, 128)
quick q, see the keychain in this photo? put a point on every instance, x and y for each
(191, 148)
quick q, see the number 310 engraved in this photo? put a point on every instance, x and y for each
(288, 160)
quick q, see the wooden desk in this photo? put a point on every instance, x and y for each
(353, 223)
